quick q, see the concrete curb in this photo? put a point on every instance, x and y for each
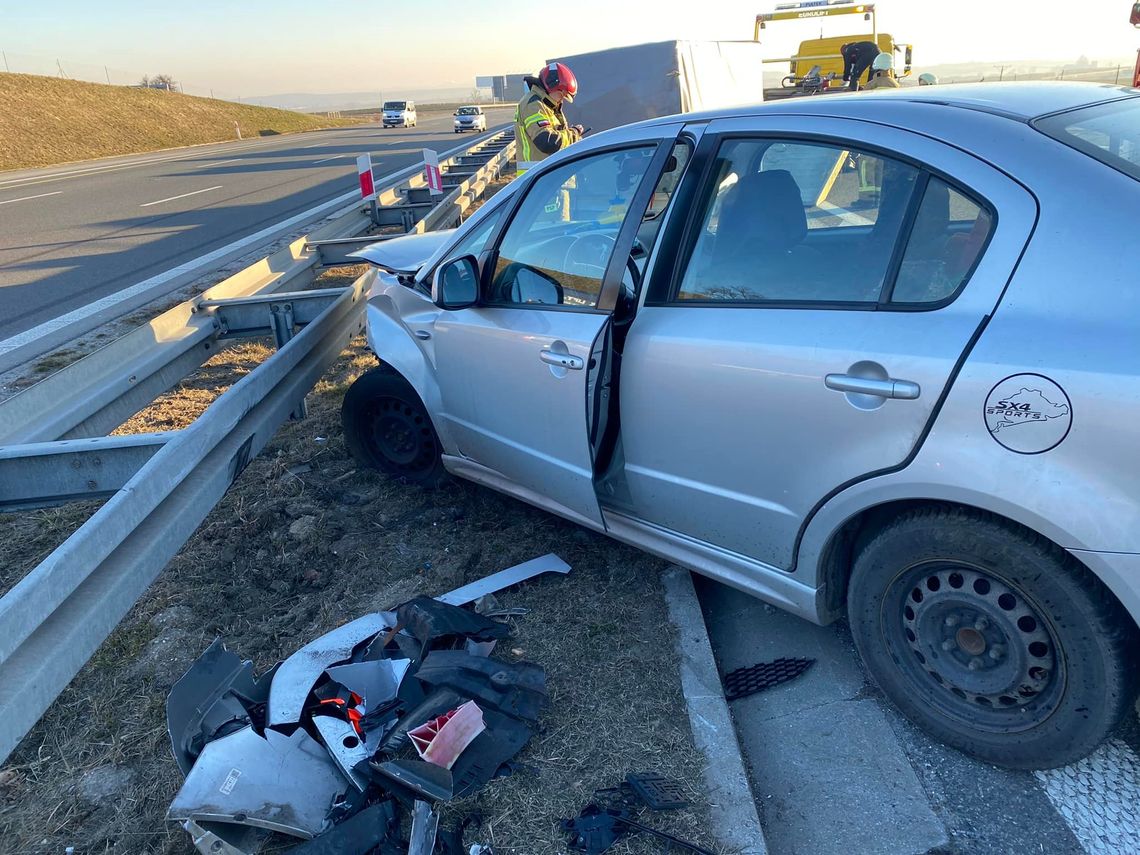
(733, 809)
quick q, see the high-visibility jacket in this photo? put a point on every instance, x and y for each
(882, 80)
(540, 127)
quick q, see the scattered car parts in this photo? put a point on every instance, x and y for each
(324, 746)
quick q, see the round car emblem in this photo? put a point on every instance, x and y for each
(1028, 413)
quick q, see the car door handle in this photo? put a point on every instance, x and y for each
(889, 388)
(562, 360)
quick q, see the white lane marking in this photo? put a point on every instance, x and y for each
(26, 198)
(327, 159)
(849, 217)
(1099, 798)
(181, 196)
(314, 145)
(176, 155)
(217, 163)
(109, 302)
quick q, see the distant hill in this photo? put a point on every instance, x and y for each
(48, 120)
(332, 101)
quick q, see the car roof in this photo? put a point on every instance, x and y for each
(1020, 101)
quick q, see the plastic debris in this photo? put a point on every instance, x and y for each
(442, 740)
(321, 746)
(764, 675)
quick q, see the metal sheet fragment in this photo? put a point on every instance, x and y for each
(295, 678)
(282, 783)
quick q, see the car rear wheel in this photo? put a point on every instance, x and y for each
(990, 638)
(386, 427)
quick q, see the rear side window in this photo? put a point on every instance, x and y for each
(805, 223)
(790, 222)
(1108, 132)
(949, 233)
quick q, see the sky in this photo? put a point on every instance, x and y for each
(254, 47)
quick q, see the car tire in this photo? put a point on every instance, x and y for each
(387, 427)
(991, 638)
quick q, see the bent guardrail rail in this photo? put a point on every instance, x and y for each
(54, 445)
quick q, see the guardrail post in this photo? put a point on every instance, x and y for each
(283, 326)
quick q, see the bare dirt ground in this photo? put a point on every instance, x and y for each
(303, 542)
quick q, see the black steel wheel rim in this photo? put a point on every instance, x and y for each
(400, 433)
(975, 645)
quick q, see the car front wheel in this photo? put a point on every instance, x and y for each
(990, 638)
(387, 427)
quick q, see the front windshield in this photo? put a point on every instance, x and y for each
(468, 111)
(396, 105)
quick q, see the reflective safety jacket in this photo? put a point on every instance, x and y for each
(883, 80)
(540, 127)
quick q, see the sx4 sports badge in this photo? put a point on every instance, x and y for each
(1028, 413)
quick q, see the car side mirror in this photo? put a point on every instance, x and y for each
(456, 283)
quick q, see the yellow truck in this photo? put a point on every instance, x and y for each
(818, 60)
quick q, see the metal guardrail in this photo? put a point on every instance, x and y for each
(54, 445)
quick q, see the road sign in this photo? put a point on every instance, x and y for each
(431, 172)
(364, 170)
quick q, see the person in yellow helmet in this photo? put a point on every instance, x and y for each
(540, 127)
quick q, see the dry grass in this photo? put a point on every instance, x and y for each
(45, 120)
(302, 542)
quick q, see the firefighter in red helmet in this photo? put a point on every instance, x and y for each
(540, 127)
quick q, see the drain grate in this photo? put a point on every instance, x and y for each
(764, 675)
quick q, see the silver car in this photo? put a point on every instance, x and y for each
(873, 356)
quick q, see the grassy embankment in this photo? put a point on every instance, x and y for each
(46, 120)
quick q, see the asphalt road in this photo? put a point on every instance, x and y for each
(79, 232)
(836, 769)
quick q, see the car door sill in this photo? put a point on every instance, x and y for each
(461, 467)
(770, 584)
(753, 577)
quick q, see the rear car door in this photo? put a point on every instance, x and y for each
(801, 327)
(516, 371)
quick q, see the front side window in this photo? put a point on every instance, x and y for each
(797, 222)
(556, 249)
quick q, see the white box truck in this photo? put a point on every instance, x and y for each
(627, 84)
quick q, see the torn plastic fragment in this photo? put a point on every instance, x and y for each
(207, 701)
(432, 622)
(425, 824)
(377, 681)
(224, 838)
(424, 779)
(295, 678)
(505, 578)
(442, 740)
(515, 688)
(282, 783)
(360, 834)
(345, 747)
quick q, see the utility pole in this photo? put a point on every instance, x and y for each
(105, 71)
(6, 68)
(59, 65)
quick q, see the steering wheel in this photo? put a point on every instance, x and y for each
(588, 255)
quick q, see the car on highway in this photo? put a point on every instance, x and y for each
(470, 118)
(399, 114)
(872, 357)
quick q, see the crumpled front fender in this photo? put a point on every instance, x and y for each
(395, 314)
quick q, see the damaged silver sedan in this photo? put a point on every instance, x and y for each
(846, 355)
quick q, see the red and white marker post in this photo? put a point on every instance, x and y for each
(367, 185)
(432, 173)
